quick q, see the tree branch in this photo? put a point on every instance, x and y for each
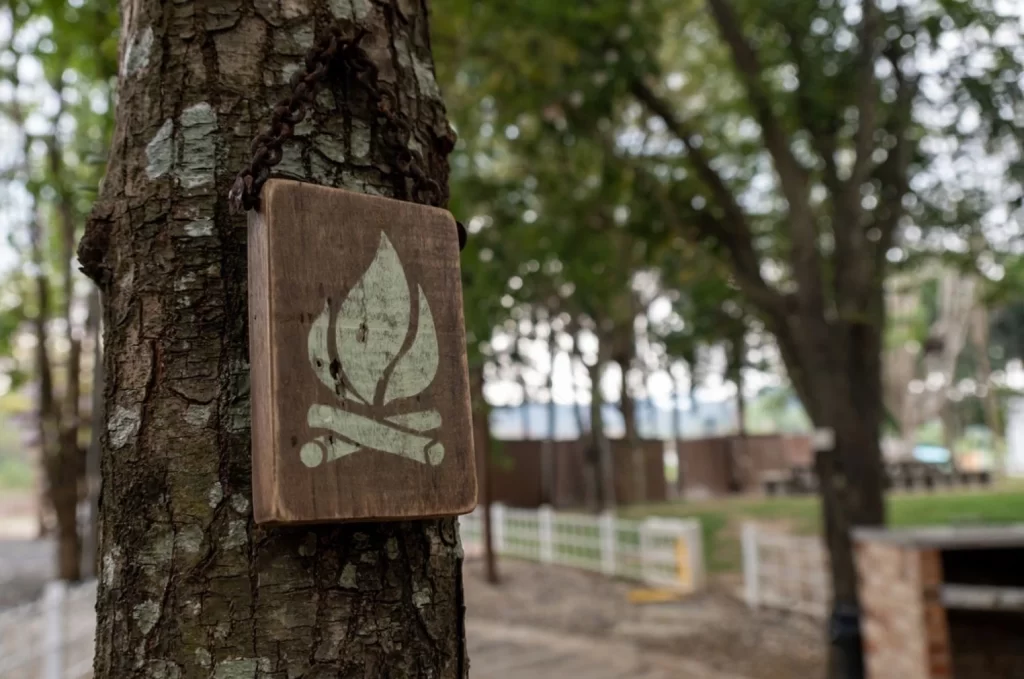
(867, 100)
(821, 126)
(732, 233)
(722, 194)
(804, 255)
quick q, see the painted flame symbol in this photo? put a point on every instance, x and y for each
(381, 359)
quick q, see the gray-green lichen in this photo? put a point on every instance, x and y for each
(239, 668)
(195, 164)
(197, 416)
(123, 425)
(160, 151)
(136, 55)
(189, 539)
(111, 566)
(146, 614)
(203, 657)
(162, 669)
(240, 503)
(200, 228)
(215, 495)
(425, 78)
(348, 577)
(237, 535)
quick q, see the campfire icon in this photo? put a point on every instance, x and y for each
(382, 357)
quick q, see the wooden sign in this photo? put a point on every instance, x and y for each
(360, 390)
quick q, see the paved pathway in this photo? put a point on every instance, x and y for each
(501, 651)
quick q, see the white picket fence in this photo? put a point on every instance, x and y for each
(51, 638)
(661, 552)
(785, 572)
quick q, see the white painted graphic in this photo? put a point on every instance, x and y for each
(380, 359)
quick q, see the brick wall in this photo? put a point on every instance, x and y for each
(905, 628)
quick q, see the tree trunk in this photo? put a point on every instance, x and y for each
(189, 586)
(482, 434)
(599, 441)
(524, 412)
(839, 379)
(69, 543)
(67, 469)
(677, 435)
(630, 436)
(589, 456)
(57, 445)
(979, 334)
(950, 431)
(547, 448)
(90, 534)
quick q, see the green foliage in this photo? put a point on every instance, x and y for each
(59, 60)
(561, 109)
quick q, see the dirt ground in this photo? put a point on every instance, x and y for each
(711, 627)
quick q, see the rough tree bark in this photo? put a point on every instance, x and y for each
(189, 586)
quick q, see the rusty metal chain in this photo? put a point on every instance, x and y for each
(339, 47)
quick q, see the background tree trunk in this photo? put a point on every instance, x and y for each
(591, 463)
(677, 435)
(547, 448)
(482, 434)
(839, 379)
(189, 586)
(90, 533)
(600, 445)
(631, 436)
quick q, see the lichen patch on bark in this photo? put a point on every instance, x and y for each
(123, 424)
(136, 56)
(160, 151)
(195, 164)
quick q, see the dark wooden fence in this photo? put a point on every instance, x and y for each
(517, 477)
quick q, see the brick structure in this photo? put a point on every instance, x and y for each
(937, 604)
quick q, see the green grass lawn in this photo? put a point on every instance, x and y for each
(721, 518)
(15, 473)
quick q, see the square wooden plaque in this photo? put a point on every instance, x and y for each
(360, 389)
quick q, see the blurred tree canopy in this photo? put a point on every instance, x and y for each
(57, 69)
(808, 147)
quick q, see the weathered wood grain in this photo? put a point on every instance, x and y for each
(360, 393)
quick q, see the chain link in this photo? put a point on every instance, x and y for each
(340, 47)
